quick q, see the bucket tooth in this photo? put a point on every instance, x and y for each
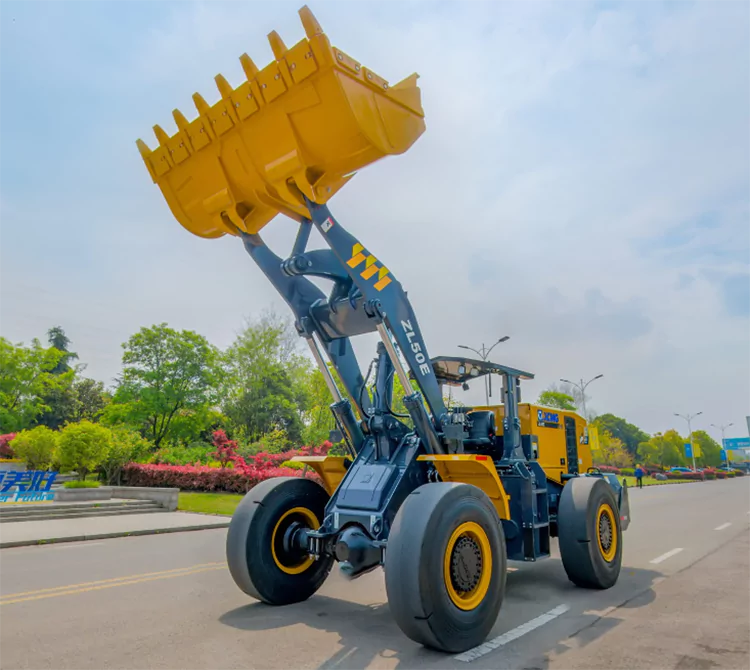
(310, 23)
(225, 89)
(146, 156)
(277, 45)
(200, 104)
(143, 148)
(180, 120)
(161, 136)
(250, 68)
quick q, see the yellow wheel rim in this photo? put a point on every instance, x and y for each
(606, 532)
(308, 519)
(467, 566)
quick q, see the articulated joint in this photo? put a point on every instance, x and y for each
(356, 552)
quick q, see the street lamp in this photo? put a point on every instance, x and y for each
(483, 354)
(582, 387)
(689, 418)
(722, 429)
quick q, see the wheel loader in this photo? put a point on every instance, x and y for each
(439, 498)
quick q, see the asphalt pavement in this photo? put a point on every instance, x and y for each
(168, 601)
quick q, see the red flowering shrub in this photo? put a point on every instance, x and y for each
(226, 449)
(6, 451)
(236, 475)
(678, 474)
(203, 478)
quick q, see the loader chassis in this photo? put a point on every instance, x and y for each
(440, 498)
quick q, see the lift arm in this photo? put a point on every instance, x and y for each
(366, 297)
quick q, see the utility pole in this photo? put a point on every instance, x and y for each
(582, 387)
(689, 418)
(722, 429)
(483, 354)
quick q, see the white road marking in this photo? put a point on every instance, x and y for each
(664, 557)
(723, 526)
(514, 634)
(74, 545)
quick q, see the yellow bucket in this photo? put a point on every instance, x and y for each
(301, 125)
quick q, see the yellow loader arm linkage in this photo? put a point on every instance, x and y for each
(301, 126)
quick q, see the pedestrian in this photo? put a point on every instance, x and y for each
(639, 476)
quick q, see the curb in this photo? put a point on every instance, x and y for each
(105, 536)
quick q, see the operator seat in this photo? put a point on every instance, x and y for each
(482, 431)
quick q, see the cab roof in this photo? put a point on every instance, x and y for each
(457, 370)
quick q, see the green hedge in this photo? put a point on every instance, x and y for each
(293, 464)
(83, 484)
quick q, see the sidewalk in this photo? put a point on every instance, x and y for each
(23, 533)
(697, 619)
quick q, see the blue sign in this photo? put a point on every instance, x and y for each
(723, 455)
(30, 486)
(547, 418)
(688, 450)
(737, 443)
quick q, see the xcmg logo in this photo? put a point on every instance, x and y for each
(361, 255)
(547, 418)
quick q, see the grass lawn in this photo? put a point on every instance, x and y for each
(650, 481)
(209, 503)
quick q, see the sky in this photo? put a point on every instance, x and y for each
(583, 185)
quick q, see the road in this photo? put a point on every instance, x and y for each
(169, 602)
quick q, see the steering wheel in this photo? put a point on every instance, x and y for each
(594, 470)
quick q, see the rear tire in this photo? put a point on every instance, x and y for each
(258, 561)
(589, 532)
(445, 566)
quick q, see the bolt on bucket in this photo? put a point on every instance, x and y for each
(300, 126)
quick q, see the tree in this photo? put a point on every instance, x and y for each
(37, 447)
(126, 446)
(665, 450)
(61, 403)
(710, 449)
(225, 450)
(629, 434)
(570, 390)
(557, 399)
(318, 418)
(164, 372)
(59, 340)
(83, 447)
(25, 380)
(91, 399)
(611, 451)
(266, 382)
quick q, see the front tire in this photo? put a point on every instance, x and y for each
(590, 534)
(259, 562)
(445, 566)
